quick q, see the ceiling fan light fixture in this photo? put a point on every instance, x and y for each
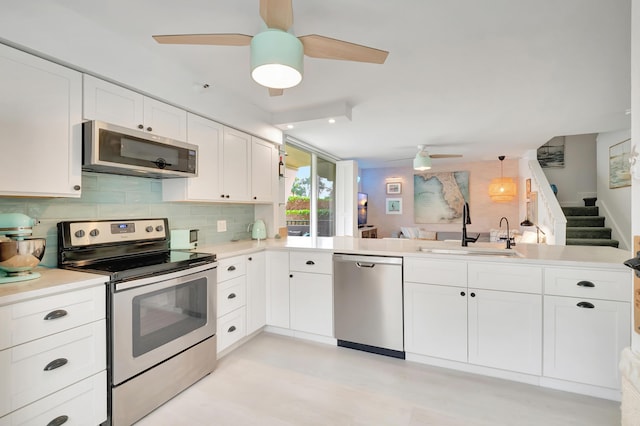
(422, 162)
(276, 59)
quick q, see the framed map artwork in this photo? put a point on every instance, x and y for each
(439, 197)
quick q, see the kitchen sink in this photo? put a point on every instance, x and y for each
(469, 251)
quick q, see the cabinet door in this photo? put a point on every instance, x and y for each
(165, 120)
(256, 291)
(207, 135)
(264, 170)
(235, 166)
(41, 116)
(312, 303)
(435, 321)
(109, 102)
(278, 288)
(505, 330)
(583, 344)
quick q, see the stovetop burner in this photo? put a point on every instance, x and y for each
(123, 249)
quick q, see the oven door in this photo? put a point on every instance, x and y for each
(156, 318)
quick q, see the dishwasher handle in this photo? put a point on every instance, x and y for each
(367, 260)
(365, 265)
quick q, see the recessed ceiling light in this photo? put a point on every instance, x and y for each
(332, 120)
(289, 126)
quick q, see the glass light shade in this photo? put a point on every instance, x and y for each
(502, 189)
(422, 162)
(276, 59)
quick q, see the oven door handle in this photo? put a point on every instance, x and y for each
(128, 285)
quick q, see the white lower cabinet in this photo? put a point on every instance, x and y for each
(312, 303)
(231, 301)
(256, 291)
(278, 289)
(505, 330)
(231, 328)
(435, 321)
(583, 339)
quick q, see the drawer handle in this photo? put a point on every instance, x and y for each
(60, 420)
(231, 329)
(58, 313)
(310, 262)
(585, 284)
(56, 363)
(231, 268)
(231, 296)
(586, 305)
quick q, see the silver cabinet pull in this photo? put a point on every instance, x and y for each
(585, 284)
(60, 420)
(231, 296)
(586, 305)
(58, 313)
(231, 268)
(310, 262)
(231, 329)
(56, 363)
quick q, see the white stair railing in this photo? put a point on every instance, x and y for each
(550, 216)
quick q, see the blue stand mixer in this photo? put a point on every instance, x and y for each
(19, 254)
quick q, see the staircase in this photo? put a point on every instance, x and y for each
(586, 228)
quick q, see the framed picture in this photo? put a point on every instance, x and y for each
(527, 185)
(394, 188)
(619, 165)
(551, 154)
(393, 206)
(532, 207)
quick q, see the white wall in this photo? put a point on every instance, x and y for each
(577, 179)
(485, 214)
(614, 204)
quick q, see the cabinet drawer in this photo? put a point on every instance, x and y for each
(231, 268)
(232, 294)
(495, 276)
(428, 271)
(231, 328)
(591, 283)
(80, 352)
(82, 403)
(26, 321)
(309, 261)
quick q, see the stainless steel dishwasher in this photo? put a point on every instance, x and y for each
(368, 314)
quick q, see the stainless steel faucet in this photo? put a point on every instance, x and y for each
(509, 239)
(466, 220)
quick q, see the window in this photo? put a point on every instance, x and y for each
(310, 193)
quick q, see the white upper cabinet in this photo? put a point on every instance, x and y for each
(114, 104)
(264, 165)
(207, 134)
(40, 117)
(236, 148)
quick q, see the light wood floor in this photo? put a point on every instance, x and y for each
(275, 380)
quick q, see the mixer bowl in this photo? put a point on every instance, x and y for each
(21, 256)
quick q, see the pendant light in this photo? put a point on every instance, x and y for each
(502, 188)
(276, 59)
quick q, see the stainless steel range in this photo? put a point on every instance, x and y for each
(161, 309)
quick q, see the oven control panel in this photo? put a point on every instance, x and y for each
(105, 231)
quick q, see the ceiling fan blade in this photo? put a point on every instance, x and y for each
(317, 46)
(275, 92)
(445, 155)
(277, 13)
(208, 39)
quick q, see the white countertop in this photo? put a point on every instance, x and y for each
(51, 281)
(582, 256)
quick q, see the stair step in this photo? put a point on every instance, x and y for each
(588, 232)
(580, 211)
(573, 221)
(592, 242)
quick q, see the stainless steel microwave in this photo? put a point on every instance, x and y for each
(108, 148)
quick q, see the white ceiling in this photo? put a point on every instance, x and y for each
(478, 78)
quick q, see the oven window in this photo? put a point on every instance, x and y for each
(165, 315)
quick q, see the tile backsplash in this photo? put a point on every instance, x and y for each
(106, 196)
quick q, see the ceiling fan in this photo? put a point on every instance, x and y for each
(422, 160)
(276, 54)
